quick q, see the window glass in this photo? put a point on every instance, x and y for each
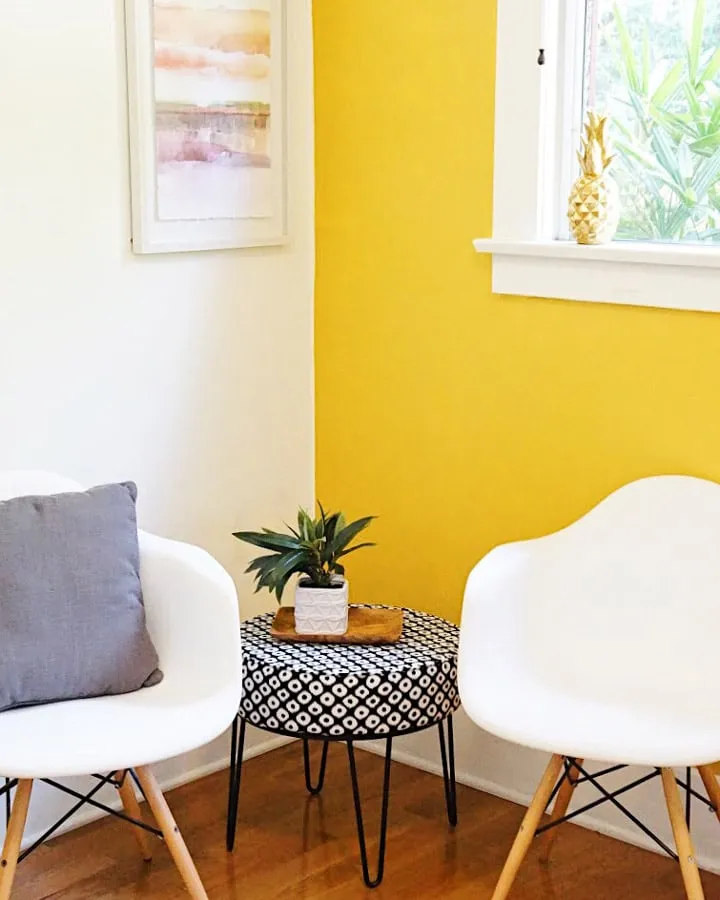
(653, 66)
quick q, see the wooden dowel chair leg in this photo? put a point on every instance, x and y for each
(171, 833)
(132, 809)
(560, 808)
(528, 828)
(683, 842)
(711, 786)
(13, 837)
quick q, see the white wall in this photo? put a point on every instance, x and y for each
(190, 373)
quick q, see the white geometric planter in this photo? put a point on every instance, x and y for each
(322, 610)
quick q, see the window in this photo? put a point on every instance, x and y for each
(654, 67)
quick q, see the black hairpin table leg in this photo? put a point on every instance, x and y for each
(447, 754)
(314, 789)
(236, 760)
(371, 883)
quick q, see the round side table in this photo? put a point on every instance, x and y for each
(350, 693)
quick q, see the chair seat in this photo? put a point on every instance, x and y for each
(572, 722)
(104, 734)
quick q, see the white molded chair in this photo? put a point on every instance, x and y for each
(192, 616)
(601, 642)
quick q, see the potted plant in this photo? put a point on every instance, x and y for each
(313, 551)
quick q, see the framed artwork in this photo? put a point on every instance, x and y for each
(207, 123)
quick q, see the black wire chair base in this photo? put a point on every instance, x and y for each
(570, 764)
(447, 756)
(86, 799)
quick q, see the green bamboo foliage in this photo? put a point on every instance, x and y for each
(668, 143)
(313, 549)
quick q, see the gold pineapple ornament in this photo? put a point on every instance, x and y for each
(594, 204)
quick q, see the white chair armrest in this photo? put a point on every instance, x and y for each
(192, 613)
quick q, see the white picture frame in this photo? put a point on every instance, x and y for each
(171, 210)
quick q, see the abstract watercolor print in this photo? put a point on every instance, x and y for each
(212, 77)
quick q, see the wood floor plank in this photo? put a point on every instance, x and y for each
(292, 847)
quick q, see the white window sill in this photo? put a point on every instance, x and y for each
(638, 274)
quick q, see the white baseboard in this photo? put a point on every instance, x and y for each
(91, 814)
(636, 838)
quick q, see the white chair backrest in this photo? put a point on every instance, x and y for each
(626, 601)
(22, 483)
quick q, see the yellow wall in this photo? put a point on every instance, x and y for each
(461, 418)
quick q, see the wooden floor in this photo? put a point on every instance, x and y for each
(292, 846)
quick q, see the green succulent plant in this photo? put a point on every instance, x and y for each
(313, 549)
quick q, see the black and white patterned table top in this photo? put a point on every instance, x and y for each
(343, 691)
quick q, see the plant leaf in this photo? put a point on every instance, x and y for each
(669, 84)
(710, 142)
(267, 540)
(331, 526)
(262, 563)
(711, 69)
(626, 48)
(707, 175)
(343, 537)
(356, 547)
(305, 525)
(645, 85)
(696, 36)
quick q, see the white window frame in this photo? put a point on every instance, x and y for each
(531, 137)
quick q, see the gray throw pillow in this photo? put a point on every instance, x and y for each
(72, 620)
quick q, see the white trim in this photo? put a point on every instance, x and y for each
(619, 832)
(654, 275)
(532, 129)
(570, 89)
(90, 814)
(616, 252)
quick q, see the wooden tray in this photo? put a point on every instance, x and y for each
(365, 626)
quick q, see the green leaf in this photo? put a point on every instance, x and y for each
(340, 524)
(710, 70)
(708, 143)
(267, 540)
(676, 124)
(685, 163)
(639, 110)
(356, 547)
(626, 49)
(291, 563)
(696, 37)
(669, 84)
(263, 563)
(693, 101)
(707, 175)
(305, 525)
(343, 538)
(665, 153)
(331, 526)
